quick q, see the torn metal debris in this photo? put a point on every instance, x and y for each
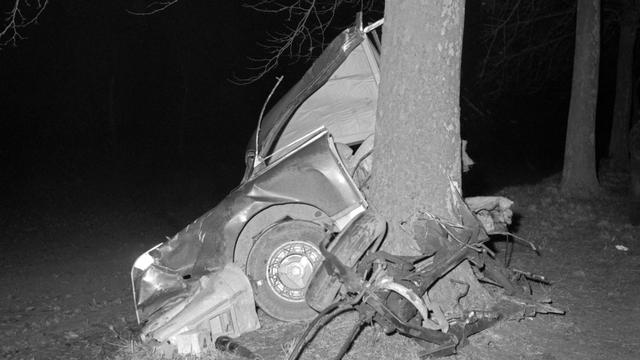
(369, 286)
(218, 304)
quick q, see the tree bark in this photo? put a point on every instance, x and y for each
(634, 164)
(579, 171)
(619, 140)
(417, 138)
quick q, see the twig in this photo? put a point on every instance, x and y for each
(308, 23)
(153, 8)
(525, 241)
(524, 44)
(324, 317)
(17, 19)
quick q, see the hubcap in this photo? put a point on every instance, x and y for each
(290, 268)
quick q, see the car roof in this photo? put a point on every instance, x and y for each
(339, 91)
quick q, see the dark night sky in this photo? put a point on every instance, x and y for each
(83, 61)
(69, 59)
(56, 91)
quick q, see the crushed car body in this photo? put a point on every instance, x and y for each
(298, 239)
(302, 181)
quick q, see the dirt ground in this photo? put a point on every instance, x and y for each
(65, 291)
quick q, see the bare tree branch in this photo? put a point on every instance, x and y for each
(303, 36)
(23, 13)
(525, 43)
(305, 31)
(153, 8)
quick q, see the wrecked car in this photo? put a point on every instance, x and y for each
(297, 230)
(307, 167)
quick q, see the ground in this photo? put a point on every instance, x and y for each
(66, 256)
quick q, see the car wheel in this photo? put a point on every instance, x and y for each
(281, 264)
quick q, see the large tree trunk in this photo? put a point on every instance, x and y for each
(634, 150)
(417, 139)
(579, 171)
(619, 141)
(634, 167)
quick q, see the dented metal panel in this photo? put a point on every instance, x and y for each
(312, 174)
(278, 117)
(304, 172)
(346, 104)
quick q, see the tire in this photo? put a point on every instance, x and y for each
(349, 247)
(281, 264)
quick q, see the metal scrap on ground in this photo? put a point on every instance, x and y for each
(367, 286)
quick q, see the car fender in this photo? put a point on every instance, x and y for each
(258, 223)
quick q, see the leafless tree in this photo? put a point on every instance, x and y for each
(22, 13)
(579, 169)
(627, 16)
(529, 43)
